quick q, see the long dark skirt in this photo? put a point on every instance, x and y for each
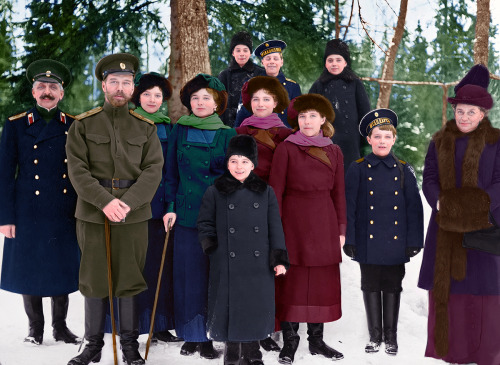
(474, 329)
(309, 294)
(190, 286)
(164, 318)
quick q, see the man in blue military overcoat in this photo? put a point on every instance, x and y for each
(41, 255)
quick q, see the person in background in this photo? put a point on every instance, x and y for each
(339, 84)
(270, 54)
(307, 175)
(385, 226)
(114, 163)
(239, 219)
(41, 255)
(462, 186)
(195, 158)
(241, 68)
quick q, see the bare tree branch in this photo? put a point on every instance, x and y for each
(363, 22)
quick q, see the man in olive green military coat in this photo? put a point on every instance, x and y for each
(115, 164)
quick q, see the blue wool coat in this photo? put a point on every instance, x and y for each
(291, 87)
(159, 203)
(37, 197)
(382, 218)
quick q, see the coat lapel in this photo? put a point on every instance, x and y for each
(55, 128)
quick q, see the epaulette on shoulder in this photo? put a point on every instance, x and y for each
(403, 162)
(360, 160)
(69, 115)
(17, 116)
(88, 113)
(287, 79)
(141, 117)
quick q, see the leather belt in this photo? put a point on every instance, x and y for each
(117, 183)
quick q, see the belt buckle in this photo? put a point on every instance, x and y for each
(113, 181)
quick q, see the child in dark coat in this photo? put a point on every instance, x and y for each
(384, 226)
(240, 229)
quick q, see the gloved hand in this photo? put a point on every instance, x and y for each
(350, 250)
(412, 251)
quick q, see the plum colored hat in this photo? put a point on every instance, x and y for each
(243, 145)
(147, 81)
(473, 88)
(271, 84)
(204, 81)
(376, 118)
(309, 102)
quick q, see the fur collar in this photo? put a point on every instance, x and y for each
(249, 66)
(347, 75)
(227, 184)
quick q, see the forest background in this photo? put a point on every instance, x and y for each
(183, 37)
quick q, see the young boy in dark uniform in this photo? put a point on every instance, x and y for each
(384, 226)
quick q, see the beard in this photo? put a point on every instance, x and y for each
(110, 97)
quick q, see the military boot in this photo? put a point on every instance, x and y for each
(373, 308)
(232, 353)
(34, 309)
(59, 312)
(250, 353)
(391, 314)
(129, 331)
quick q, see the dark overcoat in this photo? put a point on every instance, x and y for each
(159, 204)
(293, 90)
(267, 141)
(482, 276)
(233, 79)
(383, 218)
(240, 228)
(37, 197)
(350, 102)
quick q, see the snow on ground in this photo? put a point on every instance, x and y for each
(348, 335)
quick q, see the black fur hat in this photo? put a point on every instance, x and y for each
(337, 46)
(243, 145)
(147, 81)
(243, 38)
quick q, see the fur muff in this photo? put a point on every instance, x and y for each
(461, 209)
(148, 81)
(243, 145)
(309, 102)
(272, 85)
(227, 184)
(200, 82)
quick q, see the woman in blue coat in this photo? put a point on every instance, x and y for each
(195, 158)
(41, 257)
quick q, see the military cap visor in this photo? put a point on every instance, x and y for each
(124, 63)
(376, 118)
(46, 70)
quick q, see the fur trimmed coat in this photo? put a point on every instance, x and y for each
(240, 229)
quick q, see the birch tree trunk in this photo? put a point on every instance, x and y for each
(188, 48)
(390, 58)
(481, 50)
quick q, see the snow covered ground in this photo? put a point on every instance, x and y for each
(348, 335)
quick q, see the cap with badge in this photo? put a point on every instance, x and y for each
(46, 70)
(116, 63)
(376, 118)
(272, 46)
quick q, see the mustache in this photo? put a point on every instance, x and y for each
(47, 96)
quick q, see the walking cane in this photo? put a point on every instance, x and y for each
(157, 289)
(107, 231)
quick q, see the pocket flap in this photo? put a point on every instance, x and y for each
(98, 138)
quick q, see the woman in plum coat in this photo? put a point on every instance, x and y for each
(307, 175)
(462, 185)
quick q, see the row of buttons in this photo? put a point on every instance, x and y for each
(232, 206)
(232, 230)
(233, 255)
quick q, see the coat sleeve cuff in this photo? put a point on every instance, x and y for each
(209, 244)
(170, 207)
(279, 257)
(342, 229)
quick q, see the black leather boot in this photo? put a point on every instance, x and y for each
(166, 336)
(391, 314)
(269, 344)
(373, 308)
(207, 350)
(59, 312)
(189, 348)
(290, 342)
(232, 353)
(316, 344)
(95, 314)
(129, 331)
(250, 353)
(34, 309)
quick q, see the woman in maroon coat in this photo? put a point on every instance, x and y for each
(264, 96)
(307, 175)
